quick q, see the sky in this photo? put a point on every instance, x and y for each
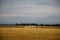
(30, 11)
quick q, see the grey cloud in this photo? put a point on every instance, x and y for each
(47, 2)
(58, 1)
(29, 11)
(32, 2)
(44, 20)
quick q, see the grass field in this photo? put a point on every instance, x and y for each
(29, 33)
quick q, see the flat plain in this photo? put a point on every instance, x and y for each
(17, 33)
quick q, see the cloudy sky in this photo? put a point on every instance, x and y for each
(30, 11)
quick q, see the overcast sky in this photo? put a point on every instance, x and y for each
(30, 11)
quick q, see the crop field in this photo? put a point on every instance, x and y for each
(13, 33)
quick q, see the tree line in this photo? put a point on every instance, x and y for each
(33, 24)
(38, 24)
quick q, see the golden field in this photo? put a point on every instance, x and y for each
(7, 33)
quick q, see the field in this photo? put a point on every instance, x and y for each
(12, 33)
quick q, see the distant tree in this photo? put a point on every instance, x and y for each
(57, 24)
(23, 24)
(34, 24)
(47, 25)
(41, 24)
(16, 23)
(52, 25)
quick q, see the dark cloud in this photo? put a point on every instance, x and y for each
(58, 2)
(47, 2)
(32, 2)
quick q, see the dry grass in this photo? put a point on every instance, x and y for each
(29, 34)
